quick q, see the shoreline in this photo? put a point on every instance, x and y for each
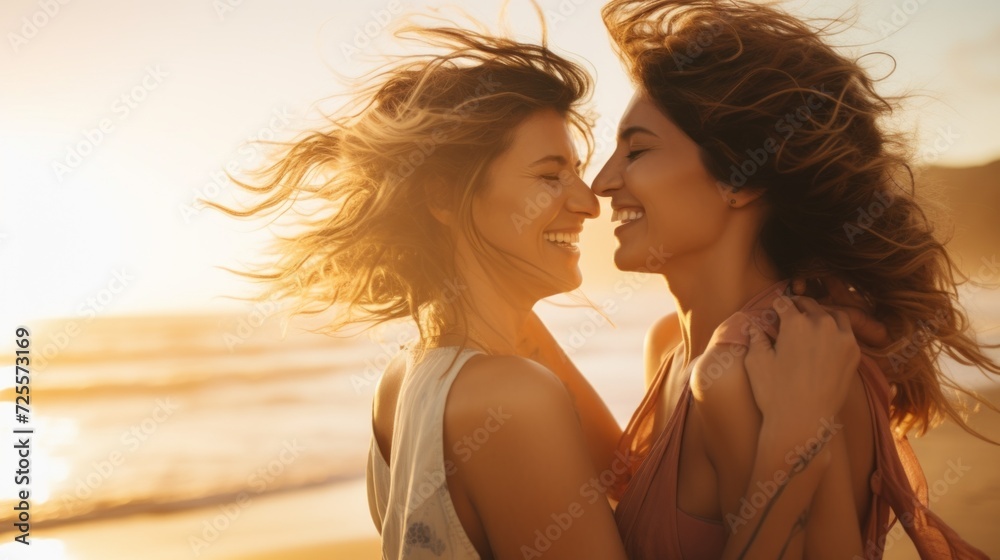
(333, 521)
(317, 522)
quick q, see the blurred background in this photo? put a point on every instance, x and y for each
(173, 421)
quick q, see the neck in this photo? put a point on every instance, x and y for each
(709, 286)
(493, 317)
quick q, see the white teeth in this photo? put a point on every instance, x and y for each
(561, 237)
(626, 215)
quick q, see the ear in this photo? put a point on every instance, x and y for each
(443, 215)
(434, 194)
(738, 196)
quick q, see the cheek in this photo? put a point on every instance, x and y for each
(510, 220)
(685, 206)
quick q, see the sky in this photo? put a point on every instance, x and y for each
(116, 115)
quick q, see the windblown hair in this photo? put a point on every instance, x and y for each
(419, 132)
(774, 107)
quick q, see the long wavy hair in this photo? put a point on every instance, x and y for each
(774, 107)
(419, 132)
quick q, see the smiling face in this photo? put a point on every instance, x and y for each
(661, 192)
(534, 205)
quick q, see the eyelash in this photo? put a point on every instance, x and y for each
(634, 154)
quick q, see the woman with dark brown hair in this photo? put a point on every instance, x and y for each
(746, 154)
(404, 207)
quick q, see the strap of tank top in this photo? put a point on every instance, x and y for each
(637, 439)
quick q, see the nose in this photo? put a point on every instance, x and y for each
(581, 199)
(608, 179)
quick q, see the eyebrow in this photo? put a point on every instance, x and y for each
(554, 158)
(627, 133)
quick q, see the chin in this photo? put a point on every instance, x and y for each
(626, 261)
(566, 281)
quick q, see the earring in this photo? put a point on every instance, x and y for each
(732, 201)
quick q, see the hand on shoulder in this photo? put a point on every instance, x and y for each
(805, 375)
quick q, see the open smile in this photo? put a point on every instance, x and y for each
(564, 240)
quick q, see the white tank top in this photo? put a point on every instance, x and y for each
(409, 496)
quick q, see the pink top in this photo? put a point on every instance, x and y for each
(652, 527)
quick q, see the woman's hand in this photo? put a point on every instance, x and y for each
(834, 293)
(803, 378)
(799, 384)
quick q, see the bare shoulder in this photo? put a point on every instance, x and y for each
(518, 453)
(723, 398)
(661, 337)
(497, 386)
(388, 385)
(384, 404)
(719, 378)
(663, 334)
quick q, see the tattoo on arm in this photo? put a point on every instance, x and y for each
(800, 465)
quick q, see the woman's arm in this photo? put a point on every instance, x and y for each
(599, 426)
(518, 451)
(773, 436)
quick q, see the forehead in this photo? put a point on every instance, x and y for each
(543, 131)
(643, 115)
(641, 111)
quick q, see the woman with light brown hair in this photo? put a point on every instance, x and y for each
(410, 205)
(746, 153)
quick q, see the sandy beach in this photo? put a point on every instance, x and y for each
(332, 521)
(963, 478)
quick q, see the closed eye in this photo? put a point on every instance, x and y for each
(635, 153)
